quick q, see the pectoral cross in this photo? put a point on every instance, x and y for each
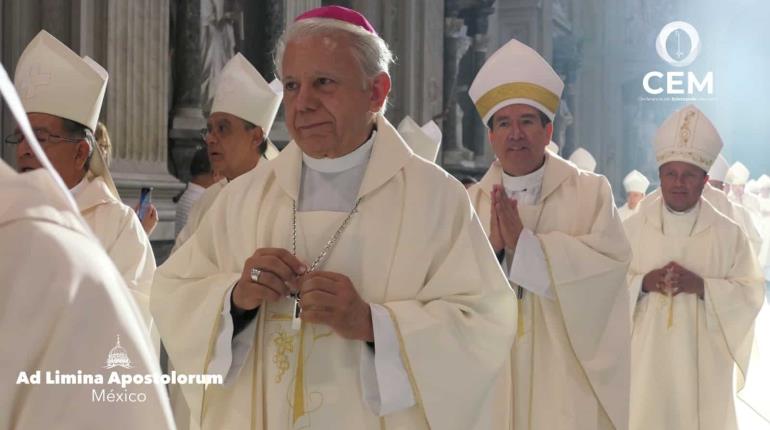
(669, 288)
(296, 322)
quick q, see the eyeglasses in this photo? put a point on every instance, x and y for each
(219, 131)
(42, 137)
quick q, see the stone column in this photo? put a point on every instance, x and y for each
(468, 19)
(187, 116)
(136, 104)
(475, 132)
(414, 32)
(279, 134)
(187, 112)
(456, 44)
(476, 17)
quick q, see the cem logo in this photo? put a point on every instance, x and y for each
(678, 82)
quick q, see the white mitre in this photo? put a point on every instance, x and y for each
(583, 159)
(425, 141)
(635, 181)
(52, 79)
(243, 92)
(516, 74)
(738, 174)
(689, 136)
(718, 170)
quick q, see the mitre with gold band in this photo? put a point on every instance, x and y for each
(516, 74)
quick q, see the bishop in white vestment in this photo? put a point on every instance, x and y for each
(345, 209)
(698, 288)
(64, 112)
(242, 115)
(562, 246)
(635, 184)
(54, 288)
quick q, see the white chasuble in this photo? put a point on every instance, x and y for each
(415, 246)
(64, 305)
(121, 234)
(198, 210)
(688, 353)
(569, 366)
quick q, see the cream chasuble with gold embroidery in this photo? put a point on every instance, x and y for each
(415, 246)
(570, 361)
(685, 350)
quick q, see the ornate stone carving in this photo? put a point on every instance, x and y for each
(221, 27)
(467, 23)
(456, 44)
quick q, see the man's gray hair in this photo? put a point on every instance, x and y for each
(77, 130)
(372, 53)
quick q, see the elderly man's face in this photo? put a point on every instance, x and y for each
(68, 155)
(330, 105)
(519, 138)
(681, 184)
(232, 147)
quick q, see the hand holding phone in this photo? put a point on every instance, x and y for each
(145, 199)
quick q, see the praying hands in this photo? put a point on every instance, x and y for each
(673, 279)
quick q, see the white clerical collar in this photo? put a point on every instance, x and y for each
(524, 183)
(195, 188)
(335, 165)
(695, 207)
(77, 189)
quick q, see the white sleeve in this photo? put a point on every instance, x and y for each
(231, 352)
(529, 268)
(384, 380)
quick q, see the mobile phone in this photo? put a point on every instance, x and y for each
(145, 199)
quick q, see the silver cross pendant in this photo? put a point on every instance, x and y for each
(296, 322)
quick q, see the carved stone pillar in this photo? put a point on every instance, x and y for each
(414, 32)
(474, 131)
(456, 43)
(279, 134)
(187, 117)
(469, 149)
(136, 104)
